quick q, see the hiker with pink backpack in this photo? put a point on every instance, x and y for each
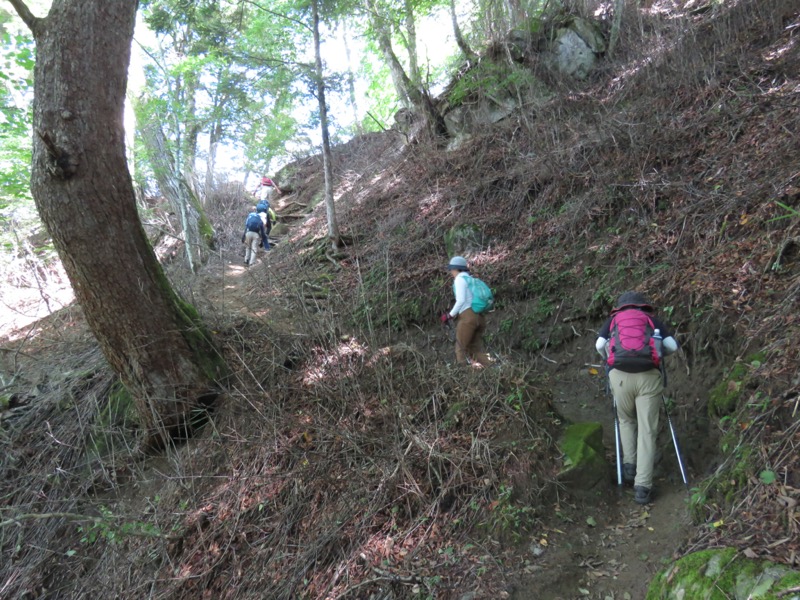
(633, 341)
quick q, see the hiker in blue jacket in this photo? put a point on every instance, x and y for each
(268, 217)
(627, 343)
(254, 235)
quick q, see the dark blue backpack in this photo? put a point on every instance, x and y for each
(253, 222)
(262, 206)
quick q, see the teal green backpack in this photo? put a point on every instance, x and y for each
(482, 297)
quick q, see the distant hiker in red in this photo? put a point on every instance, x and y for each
(468, 312)
(266, 187)
(629, 341)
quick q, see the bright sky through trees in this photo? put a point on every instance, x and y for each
(373, 89)
(436, 46)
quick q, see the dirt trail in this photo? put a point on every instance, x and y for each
(601, 545)
(604, 545)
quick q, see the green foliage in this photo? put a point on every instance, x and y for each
(508, 516)
(543, 310)
(380, 305)
(440, 291)
(516, 399)
(381, 98)
(790, 212)
(697, 502)
(583, 442)
(767, 477)
(725, 486)
(540, 279)
(724, 397)
(490, 79)
(462, 238)
(114, 423)
(224, 69)
(526, 331)
(16, 86)
(452, 416)
(109, 529)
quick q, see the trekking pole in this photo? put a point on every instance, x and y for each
(617, 438)
(675, 442)
(448, 327)
(663, 369)
(672, 429)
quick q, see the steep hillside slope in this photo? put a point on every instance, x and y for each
(350, 459)
(675, 173)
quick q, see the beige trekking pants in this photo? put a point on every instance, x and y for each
(469, 337)
(251, 239)
(638, 397)
(265, 193)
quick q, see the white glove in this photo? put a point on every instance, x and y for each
(602, 347)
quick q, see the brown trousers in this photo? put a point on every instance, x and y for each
(469, 338)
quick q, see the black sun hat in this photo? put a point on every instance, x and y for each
(633, 300)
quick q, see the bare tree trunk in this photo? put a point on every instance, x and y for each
(411, 42)
(198, 233)
(351, 80)
(80, 181)
(211, 164)
(327, 166)
(465, 48)
(189, 154)
(616, 23)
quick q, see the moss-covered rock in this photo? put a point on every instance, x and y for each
(724, 397)
(585, 465)
(724, 574)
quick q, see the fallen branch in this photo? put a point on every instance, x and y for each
(786, 592)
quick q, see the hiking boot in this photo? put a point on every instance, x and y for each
(642, 495)
(628, 473)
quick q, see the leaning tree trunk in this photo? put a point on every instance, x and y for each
(411, 44)
(401, 81)
(416, 96)
(465, 48)
(84, 194)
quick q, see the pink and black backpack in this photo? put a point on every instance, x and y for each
(632, 345)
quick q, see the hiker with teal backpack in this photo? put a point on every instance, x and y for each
(633, 341)
(473, 299)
